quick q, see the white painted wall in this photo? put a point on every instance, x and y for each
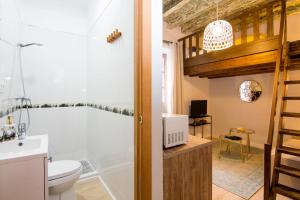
(229, 111)
(292, 27)
(193, 88)
(171, 34)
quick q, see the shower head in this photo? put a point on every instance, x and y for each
(30, 44)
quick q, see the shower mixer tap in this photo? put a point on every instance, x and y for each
(22, 131)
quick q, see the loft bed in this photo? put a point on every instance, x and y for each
(256, 46)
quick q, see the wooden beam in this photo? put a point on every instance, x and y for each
(232, 64)
(237, 73)
(259, 69)
(239, 70)
(256, 47)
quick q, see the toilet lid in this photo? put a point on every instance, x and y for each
(62, 168)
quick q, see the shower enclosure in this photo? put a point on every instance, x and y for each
(80, 87)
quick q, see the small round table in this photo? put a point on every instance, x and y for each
(234, 135)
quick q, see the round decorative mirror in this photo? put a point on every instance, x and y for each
(250, 91)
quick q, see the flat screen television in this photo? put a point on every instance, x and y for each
(198, 108)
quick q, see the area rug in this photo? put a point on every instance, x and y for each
(241, 178)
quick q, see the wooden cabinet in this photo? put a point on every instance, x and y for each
(188, 171)
(24, 179)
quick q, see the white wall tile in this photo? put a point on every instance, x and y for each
(66, 129)
(55, 72)
(56, 15)
(110, 81)
(9, 32)
(112, 65)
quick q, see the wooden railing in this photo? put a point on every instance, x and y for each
(268, 146)
(254, 25)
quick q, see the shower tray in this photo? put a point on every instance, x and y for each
(88, 169)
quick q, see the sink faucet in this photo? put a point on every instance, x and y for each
(22, 131)
(7, 133)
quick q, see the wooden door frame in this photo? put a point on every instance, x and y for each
(142, 104)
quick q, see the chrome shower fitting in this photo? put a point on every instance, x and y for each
(30, 44)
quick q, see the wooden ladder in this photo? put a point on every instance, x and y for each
(279, 168)
(272, 188)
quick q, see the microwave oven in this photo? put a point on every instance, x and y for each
(175, 129)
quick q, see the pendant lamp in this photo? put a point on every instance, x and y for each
(218, 35)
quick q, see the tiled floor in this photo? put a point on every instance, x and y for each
(221, 194)
(91, 189)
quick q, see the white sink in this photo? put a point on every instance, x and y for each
(30, 146)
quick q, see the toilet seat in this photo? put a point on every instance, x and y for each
(68, 181)
(63, 169)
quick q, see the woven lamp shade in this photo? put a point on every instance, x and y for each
(217, 36)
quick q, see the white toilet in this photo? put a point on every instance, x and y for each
(61, 178)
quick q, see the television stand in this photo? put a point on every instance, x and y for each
(201, 121)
